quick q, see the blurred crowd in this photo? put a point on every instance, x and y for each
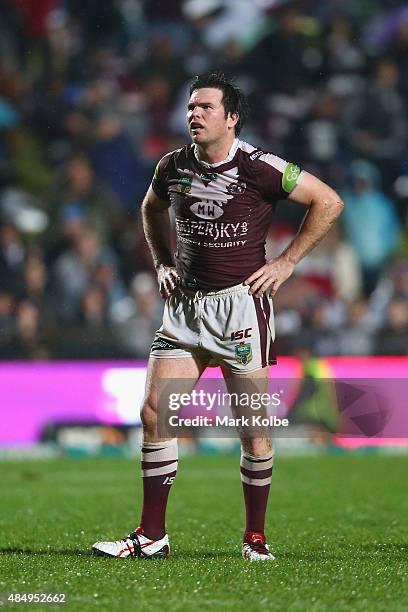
(93, 93)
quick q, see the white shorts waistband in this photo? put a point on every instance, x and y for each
(241, 288)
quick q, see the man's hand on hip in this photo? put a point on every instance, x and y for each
(168, 280)
(272, 275)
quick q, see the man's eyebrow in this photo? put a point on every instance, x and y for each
(193, 104)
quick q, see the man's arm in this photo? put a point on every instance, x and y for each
(325, 205)
(156, 225)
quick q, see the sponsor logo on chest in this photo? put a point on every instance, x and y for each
(212, 191)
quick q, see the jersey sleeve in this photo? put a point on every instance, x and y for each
(276, 177)
(160, 178)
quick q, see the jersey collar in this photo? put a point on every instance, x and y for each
(229, 157)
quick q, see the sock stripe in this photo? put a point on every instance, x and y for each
(257, 475)
(256, 466)
(159, 458)
(146, 465)
(261, 482)
(169, 453)
(159, 471)
(256, 458)
(256, 471)
(159, 445)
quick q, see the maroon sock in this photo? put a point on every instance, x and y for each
(159, 468)
(256, 476)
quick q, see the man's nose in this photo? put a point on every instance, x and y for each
(195, 112)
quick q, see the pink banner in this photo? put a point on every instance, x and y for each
(33, 396)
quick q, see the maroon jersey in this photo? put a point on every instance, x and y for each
(222, 211)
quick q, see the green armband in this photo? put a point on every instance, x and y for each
(290, 176)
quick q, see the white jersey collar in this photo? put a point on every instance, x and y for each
(229, 157)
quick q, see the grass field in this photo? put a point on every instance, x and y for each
(337, 525)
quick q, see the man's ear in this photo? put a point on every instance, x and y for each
(233, 119)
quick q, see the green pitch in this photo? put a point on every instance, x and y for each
(337, 525)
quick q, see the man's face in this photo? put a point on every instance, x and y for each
(206, 118)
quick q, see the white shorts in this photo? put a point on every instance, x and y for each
(218, 327)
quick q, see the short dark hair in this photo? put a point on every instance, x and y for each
(233, 99)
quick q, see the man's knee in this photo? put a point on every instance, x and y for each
(148, 416)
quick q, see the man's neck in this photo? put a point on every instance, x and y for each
(215, 152)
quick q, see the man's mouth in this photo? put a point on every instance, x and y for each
(196, 127)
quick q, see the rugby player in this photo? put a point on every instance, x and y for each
(217, 289)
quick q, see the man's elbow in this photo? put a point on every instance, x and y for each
(334, 204)
(338, 206)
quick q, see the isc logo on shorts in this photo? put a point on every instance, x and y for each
(241, 333)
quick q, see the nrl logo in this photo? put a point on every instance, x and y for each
(243, 352)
